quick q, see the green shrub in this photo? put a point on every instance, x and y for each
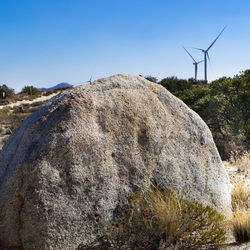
(30, 90)
(162, 219)
(151, 79)
(6, 92)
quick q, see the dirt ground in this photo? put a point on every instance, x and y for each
(39, 99)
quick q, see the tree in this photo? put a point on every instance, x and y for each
(6, 92)
(30, 90)
(173, 84)
(151, 78)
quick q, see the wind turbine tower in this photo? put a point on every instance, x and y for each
(206, 55)
(195, 63)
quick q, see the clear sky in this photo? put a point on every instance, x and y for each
(45, 42)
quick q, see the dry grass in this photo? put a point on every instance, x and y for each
(242, 161)
(241, 224)
(168, 213)
(241, 212)
(239, 195)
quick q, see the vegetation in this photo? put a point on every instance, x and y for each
(241, 214)
(241, 160)
(240, 200)
(30, 90)
(160, 219)
(151, 78)
(239, 195)
(241, 225)
(28, 93)
(223, 105)
(6, 92)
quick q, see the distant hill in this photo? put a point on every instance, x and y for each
(60, 85)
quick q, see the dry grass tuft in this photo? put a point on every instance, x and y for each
(239, 195)
(168, 212)
(241, 224)
(241, 213)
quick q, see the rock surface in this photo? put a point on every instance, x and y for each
(88, 148)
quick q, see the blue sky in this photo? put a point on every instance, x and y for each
(45, 42)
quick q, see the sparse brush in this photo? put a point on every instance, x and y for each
(242, 161)
(241, 225)
(239, 195)
(18, 109)
(4, 114)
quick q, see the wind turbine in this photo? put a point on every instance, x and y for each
(206, 55)
(195, 64)
(89, 81)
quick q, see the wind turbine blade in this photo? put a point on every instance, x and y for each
(200, 62)
(208, 58)
(189, 54)
(216, 38)
(198, 49)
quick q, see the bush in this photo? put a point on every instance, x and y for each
(151, 79)
(48, 92)
(30, 90)
(161, 219)
(6, 92)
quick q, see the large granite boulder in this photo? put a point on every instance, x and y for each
(88, 148)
